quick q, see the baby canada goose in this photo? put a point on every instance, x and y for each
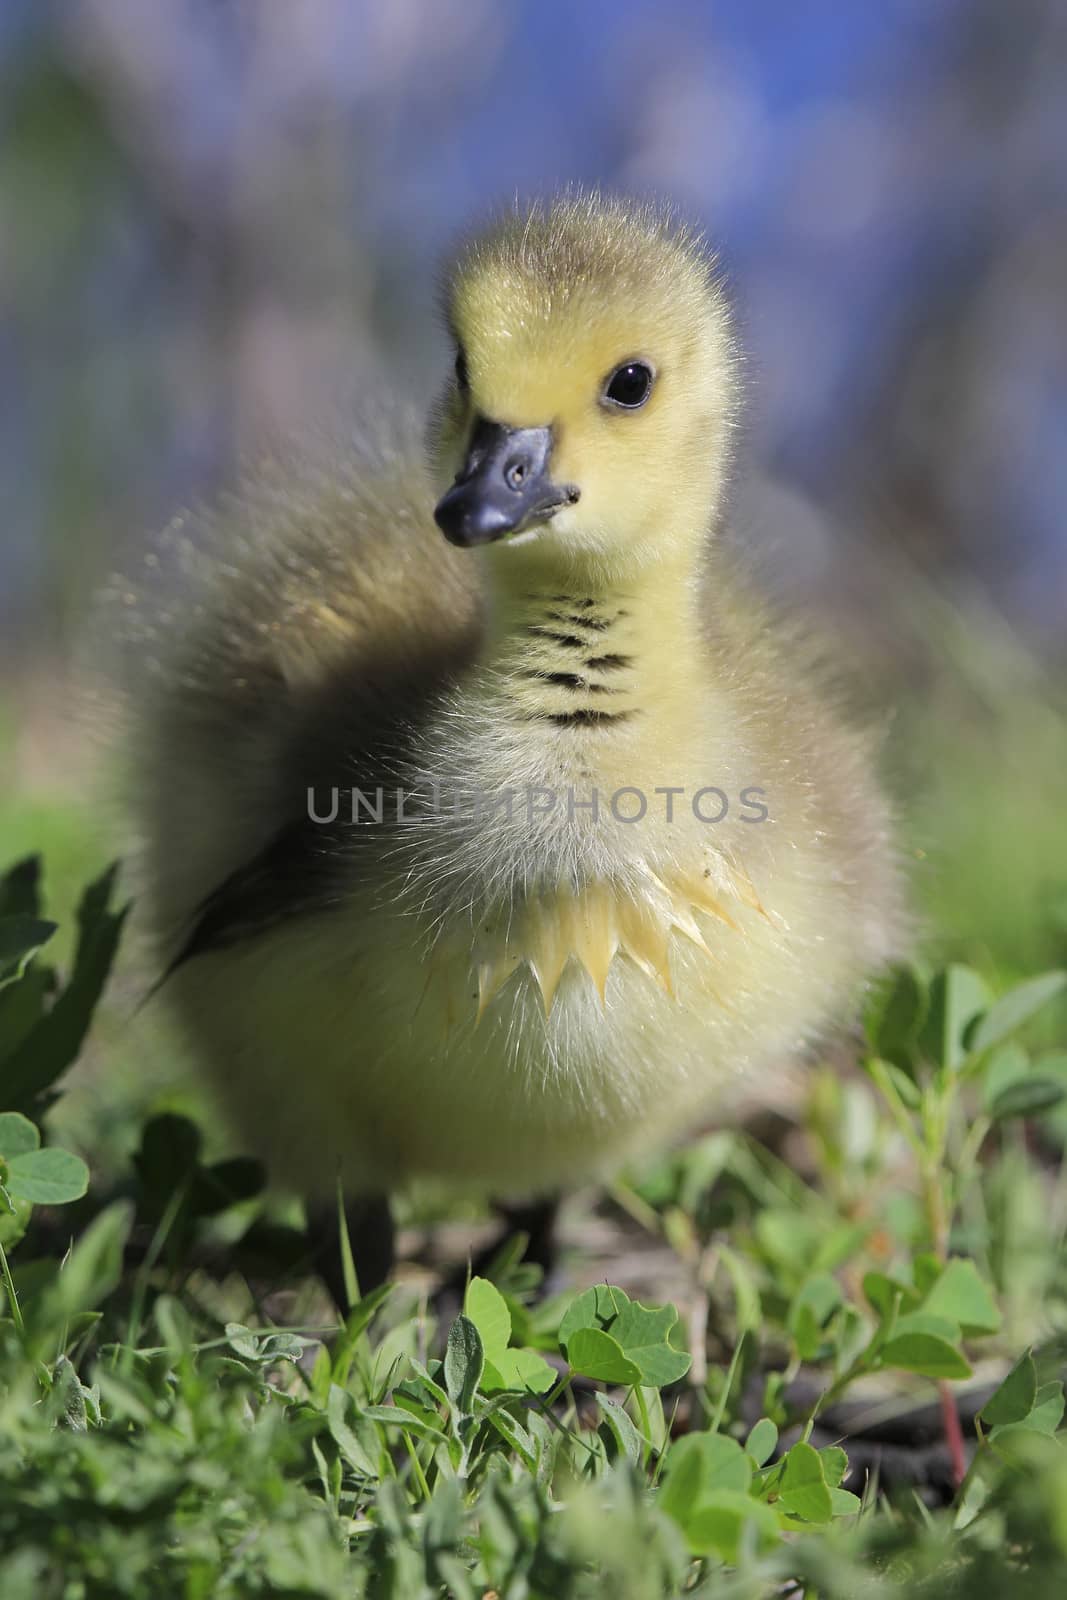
(491, 857)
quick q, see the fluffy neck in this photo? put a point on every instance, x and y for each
(575, 646)
(600, 681)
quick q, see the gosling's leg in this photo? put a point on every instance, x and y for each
(371, 1235)
(538, 1220)
(535, 1222)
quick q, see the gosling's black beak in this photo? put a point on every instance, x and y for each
(503, 486)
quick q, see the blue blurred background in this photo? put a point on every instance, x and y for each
(220, 217)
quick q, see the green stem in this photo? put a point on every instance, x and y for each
(720, 1410)
(141, 1282)
(836, 1389)
(935, 1126)
(646, 1423)
(547, 1401)
(976, 1459)
(416, 1464)
(12, 1297)
(897, 1109)
(348, 1263)
(972, 1144)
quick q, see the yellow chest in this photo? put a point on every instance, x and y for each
(601, 923)
(599, 737)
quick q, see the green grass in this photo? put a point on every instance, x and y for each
(182, 1414)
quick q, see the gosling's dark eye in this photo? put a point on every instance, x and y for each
(629, 386)
(462, 375)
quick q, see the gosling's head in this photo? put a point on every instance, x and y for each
(588, 415)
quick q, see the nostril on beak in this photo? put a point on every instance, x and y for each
(515, 473)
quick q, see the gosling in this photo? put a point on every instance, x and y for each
(495, 857)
